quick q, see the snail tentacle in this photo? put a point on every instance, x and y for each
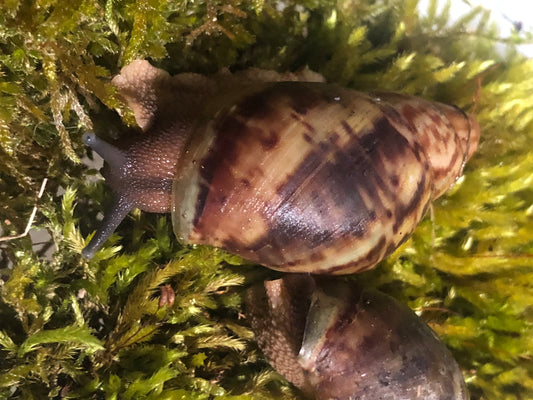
(112, 218)
(122, 204)
(111, 154)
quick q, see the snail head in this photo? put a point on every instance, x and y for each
(141, 165)
(139, 169)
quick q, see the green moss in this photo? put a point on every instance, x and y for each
(77, 329)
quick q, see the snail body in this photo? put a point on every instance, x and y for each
(299, 176)
(334, 340)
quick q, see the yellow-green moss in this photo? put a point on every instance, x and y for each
(77, 329)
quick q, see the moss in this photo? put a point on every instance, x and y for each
(78, 329)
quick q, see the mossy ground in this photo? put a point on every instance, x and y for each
(70, 328)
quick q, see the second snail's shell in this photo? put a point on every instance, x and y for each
(310, 177)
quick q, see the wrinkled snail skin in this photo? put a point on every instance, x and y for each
(297, 176)
(335, 341)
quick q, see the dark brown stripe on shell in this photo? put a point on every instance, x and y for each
(299, 117)
(403, 212)
(231, 131)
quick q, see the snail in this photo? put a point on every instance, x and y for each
(334, 340)
(300, 176)
(282, 169)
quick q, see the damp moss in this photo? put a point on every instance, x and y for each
(78, 329)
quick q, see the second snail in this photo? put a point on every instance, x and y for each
(291, 173)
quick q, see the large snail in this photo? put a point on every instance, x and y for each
(296, 176)
(299, 176)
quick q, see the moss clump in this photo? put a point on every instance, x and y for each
(77, 329)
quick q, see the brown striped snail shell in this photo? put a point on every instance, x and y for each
(284, 170)
(334, 340)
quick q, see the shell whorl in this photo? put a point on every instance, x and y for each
(310, 177)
